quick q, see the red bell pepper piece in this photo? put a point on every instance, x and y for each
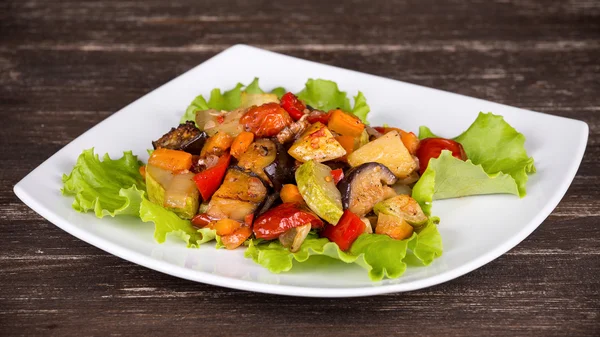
(347, 230)
(314, 117)
(202, 220)
(278, 220)
(293, 106)
(209, 180)
(337, 175)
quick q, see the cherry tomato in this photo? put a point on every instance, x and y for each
(278, 220)
(266, 120)
(433, 147)
(293, 106)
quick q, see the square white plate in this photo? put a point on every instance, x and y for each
(475, 230)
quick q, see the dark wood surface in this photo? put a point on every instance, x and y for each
(66, 65)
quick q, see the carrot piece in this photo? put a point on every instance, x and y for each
(347, 143)
(234, 240)
(290, 193)
(226, 226)
(345, 124)
(217, 144)
(410, 140)
(142, 170)
(241, 143)
(172, 160)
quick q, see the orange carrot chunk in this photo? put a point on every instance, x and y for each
(345, 124)
(172, 160)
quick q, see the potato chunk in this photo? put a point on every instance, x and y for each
(387, 150)
(316, 143)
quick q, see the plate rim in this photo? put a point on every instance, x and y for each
(292, 290)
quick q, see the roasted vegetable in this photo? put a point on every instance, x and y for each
(186, 137)
(172, 160)
(393, 226)
(280, 219)
(364, 186)
(217, 144)
(259, 155)
(249, 100)
(316, 143)
(290, 193)
(241, 143)
(281, 170)
(387, 150)
(209, 180)
(345, 124)
(183, 201)
(239, 195)
(347, 230)
(293, 238)
(318, 190)
(266, 120)
(213, 121)
(270, 201)
(402, 206)
(237, 238)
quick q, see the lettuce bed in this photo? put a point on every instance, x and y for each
(498, 163)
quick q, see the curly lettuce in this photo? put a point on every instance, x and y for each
(380, 255)
(115, 187)
(318, 93)
(498, 163)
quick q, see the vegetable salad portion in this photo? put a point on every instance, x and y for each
(290, 176)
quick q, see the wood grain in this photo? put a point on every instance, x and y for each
(66, 65)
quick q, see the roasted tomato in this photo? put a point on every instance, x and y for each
(293, 106)
(278, 220)
(433, 147)
(266, 120)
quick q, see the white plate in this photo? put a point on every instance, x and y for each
(475, 230)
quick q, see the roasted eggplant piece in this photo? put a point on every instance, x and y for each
(270, 201)
(281, 170)
(240, 194)
(364, 186)
(186, 137)
(259, 155)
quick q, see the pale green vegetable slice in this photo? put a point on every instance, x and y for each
(319, 192)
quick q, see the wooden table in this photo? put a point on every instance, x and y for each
(67, 65)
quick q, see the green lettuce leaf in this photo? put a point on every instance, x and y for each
(167, 222)
(498, 163)
(448, 177)
(228, 100)
(279, 91)
(320, 94)
(325, 95)
(115, 187)
(361, 109)
(253, 88)
(381, 255)
(107, 186)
